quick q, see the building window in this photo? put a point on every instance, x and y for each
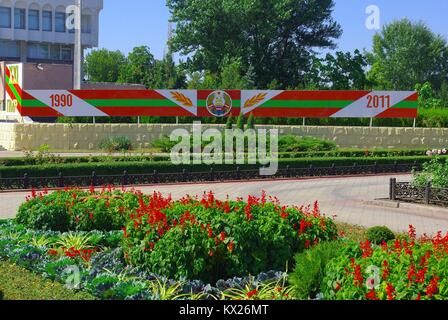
(5, 17)
(47, 21)
(66, 53)
(86, 24)
(19, 18)
(60, 22)
(33, 20)
(55, 52)
(9, 49)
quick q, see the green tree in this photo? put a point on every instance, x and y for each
(240, 121)
(251, 122)
(406, 53)
(274, 39)
(344, 71)
(104, 65)
(139, 67)
(166, 75)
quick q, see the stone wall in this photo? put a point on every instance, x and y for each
(7, 136)
(84, 137)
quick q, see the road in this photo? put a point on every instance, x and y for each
(343, 197)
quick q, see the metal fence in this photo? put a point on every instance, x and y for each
(183, 176)
(407, 192)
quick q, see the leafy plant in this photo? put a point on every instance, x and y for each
(291, 143)
(116, 144)
(274, 290)
(75, 241)
(378, 235)
(306, 279)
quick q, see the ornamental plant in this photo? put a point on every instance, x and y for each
(402, 269)
(209, 239)
(78, 210)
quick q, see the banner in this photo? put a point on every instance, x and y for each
(219, 103)
(13, 79)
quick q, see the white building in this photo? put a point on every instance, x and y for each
(35, 31)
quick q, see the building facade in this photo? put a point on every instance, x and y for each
(35, 31)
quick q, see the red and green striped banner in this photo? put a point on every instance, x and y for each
(218, 103)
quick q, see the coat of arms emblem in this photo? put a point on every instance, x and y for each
(219, 103)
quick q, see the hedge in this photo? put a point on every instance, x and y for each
(117, 168)
(12, 162)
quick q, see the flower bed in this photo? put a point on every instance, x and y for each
(403, 269)
(139, 242)
(78, 210)
(211, 239)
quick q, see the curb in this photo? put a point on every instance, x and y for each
(428, 211)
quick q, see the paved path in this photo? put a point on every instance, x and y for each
(343, 197)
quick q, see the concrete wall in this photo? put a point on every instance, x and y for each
(7, 136)
(88, 136)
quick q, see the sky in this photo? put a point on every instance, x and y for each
(145, 22)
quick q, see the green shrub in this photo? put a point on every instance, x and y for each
(77, 210)
(1, 295)
(291, 143)
(115, 144)
(378, 235)
(434, 171)
(309, 270)
(209, 239)
(117, 168)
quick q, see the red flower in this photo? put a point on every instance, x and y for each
(433, 287)
(372, 295)
(338, 286)
(52, 252)
(390, 290)
(251, 294)
(411, 273)
(211, 253)
(412, 232)
(231, 246)
(358, 276)
(222, 236)
(366, 248)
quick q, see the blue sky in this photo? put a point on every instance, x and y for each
(145, 22)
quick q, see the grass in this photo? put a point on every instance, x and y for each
(17, 283)
(352, 232)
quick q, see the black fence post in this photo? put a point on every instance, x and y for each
(395, 166)
(375, 167)
(333, 169)
(212, 174)
(288, 173)
(311, 170)
(392, 190)
(184, 175)
(238, 175)
(355, 168)
(60, 180)
(26, 181)
(155, 176)
(125, 178)
(94, 182)
(428, 193)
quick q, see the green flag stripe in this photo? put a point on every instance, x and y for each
(306, 104)
(13, 89)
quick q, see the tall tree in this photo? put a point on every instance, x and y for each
(407, 53)
(103, 65)
(139, 66)
(276, 38)
(166, 75)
